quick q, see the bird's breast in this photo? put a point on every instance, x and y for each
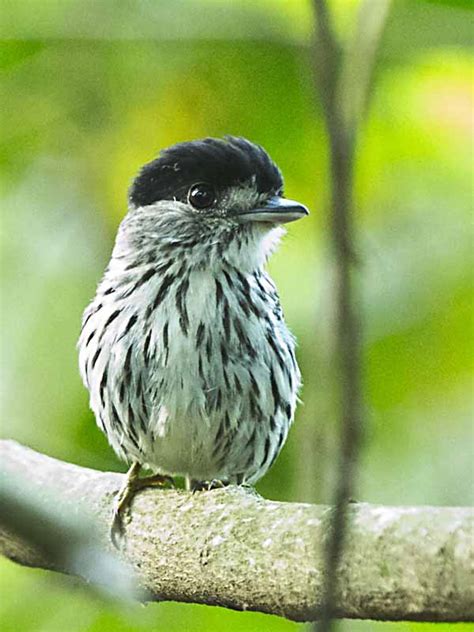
(185, 357)
(217, 337)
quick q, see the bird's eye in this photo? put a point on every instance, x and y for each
(201, 195)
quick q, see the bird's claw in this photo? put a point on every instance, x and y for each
(157, 480)
(206, 486)
(117, 530)
(124, 499)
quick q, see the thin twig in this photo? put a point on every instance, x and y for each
(342, 112)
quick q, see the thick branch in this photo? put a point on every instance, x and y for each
(232, 548)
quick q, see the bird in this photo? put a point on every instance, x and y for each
(190, 367)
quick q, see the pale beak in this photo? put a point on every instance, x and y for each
(276, 210)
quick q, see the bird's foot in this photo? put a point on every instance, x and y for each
(204, 486)
(133, 484)
(156, 480)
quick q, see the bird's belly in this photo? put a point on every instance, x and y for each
(206, 391)
(186, 449)
(224, 412)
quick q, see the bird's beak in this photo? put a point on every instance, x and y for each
(276, 210)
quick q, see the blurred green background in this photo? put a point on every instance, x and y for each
(92, 90)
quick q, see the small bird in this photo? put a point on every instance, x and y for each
(189, 364)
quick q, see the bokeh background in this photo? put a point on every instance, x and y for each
(91, 90)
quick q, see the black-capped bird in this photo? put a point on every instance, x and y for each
(190, 366)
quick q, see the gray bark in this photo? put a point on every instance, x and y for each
(230, 547)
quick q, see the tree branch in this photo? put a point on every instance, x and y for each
(232, 548)
(348, 341)
(344, 81)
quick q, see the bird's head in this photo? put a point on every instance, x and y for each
(213, 196)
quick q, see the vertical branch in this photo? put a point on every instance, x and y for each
(355, 80)
(344, 99)
(341, 141)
